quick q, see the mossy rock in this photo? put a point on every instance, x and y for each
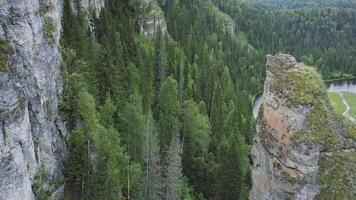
(319, 129)
(305, 85)
(5, 51)
(337, 176)
(49, 29)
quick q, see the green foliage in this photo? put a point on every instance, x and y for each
(115, 77)
(233, 169)
(197, 129)
(132, 129)
(113, 165)
(317, 32)
(187, 193)
(107, 113)
(145, 65)
(5, 51)
(168, 110)
(49, 29)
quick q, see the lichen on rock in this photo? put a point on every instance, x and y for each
(298, 138)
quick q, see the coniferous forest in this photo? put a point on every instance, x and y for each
(169, 115)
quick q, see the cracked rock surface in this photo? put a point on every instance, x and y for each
(30, 140)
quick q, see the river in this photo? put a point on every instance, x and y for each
(334, 86)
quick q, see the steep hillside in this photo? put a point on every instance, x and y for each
(319, 35)
(172, 87)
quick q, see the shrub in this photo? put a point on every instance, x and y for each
(5, 51)
(49, 29)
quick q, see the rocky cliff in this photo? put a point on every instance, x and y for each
(32, 135)
(85, 5)
(153, 20)
(302, 149)
(32, 145)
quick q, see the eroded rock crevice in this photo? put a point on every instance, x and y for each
(29, 80)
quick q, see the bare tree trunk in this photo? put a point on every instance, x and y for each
(128, 172)
(148, 151)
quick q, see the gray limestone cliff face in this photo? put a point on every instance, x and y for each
(300, 139)
(32, 147)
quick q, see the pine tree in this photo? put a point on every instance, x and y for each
(173, 173)
(132, 129)
(168, 112)
(196, 129)
(233, 170)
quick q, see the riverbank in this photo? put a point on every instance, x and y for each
(340, 79)
(344, 103)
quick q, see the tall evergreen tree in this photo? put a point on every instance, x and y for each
(168, 112)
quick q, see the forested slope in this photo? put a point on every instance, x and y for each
(320, 33)
(156, 111)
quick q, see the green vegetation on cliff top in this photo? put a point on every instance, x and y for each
(323, 127)
(307, 89)
(306, 86)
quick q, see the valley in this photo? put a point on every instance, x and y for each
(177, 99)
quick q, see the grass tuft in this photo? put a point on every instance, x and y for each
(49, 29)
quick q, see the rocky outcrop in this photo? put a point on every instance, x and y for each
(32, 145)
(302, 149)
(86, 5)
(153, 20)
